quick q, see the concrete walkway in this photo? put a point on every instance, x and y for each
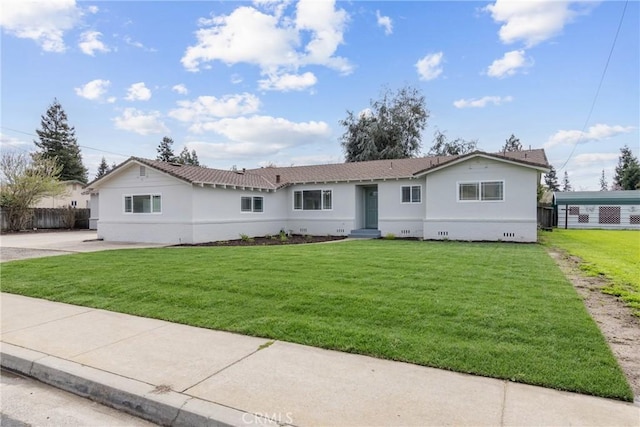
(173, 374)
(35, 245)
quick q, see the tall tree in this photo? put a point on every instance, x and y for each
(551, 179)
(604, 185)
(512, 144)
(165, 150)
(443, 147)
(103, 168)
(627, 175)
(187, 157)
(566, 185)
(57, 140)
(390, 129)
(24, 182)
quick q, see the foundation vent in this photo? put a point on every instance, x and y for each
(508, 234)
(443, 233)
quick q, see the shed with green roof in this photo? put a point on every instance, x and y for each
(598, 209)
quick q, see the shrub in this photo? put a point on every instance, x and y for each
(389, 236)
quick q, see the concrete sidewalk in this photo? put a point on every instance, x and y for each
(173, 374)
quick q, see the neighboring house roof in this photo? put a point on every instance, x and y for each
(272, 178)
(622, 197)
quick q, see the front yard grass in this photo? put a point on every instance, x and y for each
(494, 309)
(614, 254)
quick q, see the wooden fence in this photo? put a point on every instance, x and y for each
(547, 216)
(52, 218)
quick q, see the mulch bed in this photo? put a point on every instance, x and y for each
(295, 239)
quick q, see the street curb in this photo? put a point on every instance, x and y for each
(167, 408)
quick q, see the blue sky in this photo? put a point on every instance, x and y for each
(254, 83)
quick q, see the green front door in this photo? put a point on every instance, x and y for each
(371, 207)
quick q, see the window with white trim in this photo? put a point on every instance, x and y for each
(481, 191)
(411, 194)
(313, 200)
(143, 203)
(252, 204)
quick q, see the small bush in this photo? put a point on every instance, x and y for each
(246, 238)
(389, 236)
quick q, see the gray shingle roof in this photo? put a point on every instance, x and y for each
(271, 178)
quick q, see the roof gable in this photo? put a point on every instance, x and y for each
(530, 159)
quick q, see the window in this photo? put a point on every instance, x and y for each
(251, 204)
(313, 200)
(484, 191)
(147, 203)
(411, 194)
(143, 171)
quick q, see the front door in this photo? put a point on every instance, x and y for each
(371, 207)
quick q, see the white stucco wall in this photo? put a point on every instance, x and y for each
(513, 219)
(339, 221)
(217, 214)
(395, 217)
(172, 225)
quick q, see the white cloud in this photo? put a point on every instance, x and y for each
(94, 90)
(596, 132)
(205, 109)
(44, 22)
(509, 64)
(128, 40)
(93, 9)
(8, 142)
(180, 88)
(268, 130)
(533, 22)
(287, 82)
(138, 92)
(588, 159)
(272, 41)
(90, 43)
(137, 121)
(385, 22)
(430, 67)
(482, 102)
(258, 136)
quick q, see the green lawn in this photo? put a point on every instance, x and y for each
(614, 254)
(500, 310)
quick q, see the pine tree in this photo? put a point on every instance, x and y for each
(57, 140)
(512, 144)
(604, 186)
(551, 180)
(103, 168)
(165, 151)
(627, 175)
(566, 185)
(187, 157)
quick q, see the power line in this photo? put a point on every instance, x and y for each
(595, 98)
(53, 139)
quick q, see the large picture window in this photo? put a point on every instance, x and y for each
(483, 191)
(313, 200)
(143, 203)
(411, 194)
(251, 204)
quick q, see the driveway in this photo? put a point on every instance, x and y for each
(35, 245)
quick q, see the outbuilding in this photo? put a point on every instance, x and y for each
(598, 209)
